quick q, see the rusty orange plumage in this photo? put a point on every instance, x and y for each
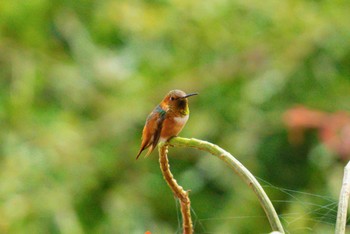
(166, 120)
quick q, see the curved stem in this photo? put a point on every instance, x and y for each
(240, 170)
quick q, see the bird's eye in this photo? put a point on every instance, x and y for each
(171, 98)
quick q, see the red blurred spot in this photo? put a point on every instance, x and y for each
(333, 129)
(148, 232)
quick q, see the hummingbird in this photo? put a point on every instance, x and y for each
(166, 120)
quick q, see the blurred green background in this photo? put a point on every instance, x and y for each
(78, 79)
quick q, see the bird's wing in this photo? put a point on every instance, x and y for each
(154, 125)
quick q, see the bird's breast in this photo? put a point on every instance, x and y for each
(181, 119)
(172, 126)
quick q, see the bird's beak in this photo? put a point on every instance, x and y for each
(189, 95)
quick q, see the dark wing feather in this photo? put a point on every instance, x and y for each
(158, 130)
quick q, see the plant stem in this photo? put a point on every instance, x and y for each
(343, 202)
(240, 170)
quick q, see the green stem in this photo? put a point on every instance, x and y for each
(240, 170)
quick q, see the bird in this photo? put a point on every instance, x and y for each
(166, 120)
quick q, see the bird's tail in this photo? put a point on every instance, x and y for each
(151, 148)
(149, 151)
(139, 153)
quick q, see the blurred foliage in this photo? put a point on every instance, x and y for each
(78, 78)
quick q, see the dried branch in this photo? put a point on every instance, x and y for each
(179, 192)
